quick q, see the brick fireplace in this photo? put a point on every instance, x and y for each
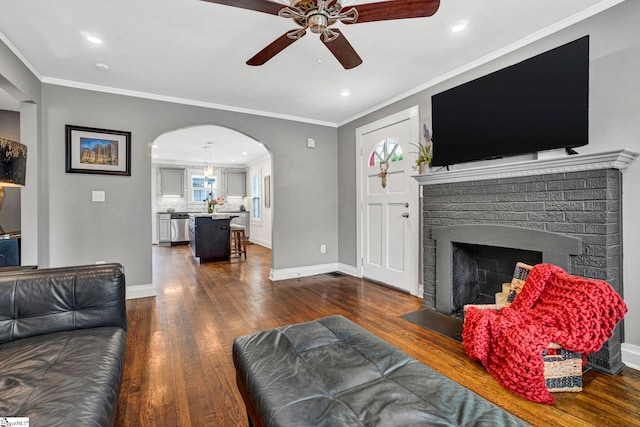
(564, 211)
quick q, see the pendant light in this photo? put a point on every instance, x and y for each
(208, 169)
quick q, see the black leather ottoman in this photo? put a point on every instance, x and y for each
(332, 372)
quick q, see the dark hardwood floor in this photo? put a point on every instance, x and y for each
(179, 370)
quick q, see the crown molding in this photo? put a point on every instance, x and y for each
(177, 100)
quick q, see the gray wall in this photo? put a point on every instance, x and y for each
(10, 213)
(613, 124)
(16, 79)
(82, 231)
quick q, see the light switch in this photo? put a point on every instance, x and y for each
(311, 143)
(97, 196)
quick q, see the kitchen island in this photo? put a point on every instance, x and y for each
(209, 236)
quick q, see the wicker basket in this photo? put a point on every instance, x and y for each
(562, 369)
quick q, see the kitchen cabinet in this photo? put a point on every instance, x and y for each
(236, 183)
(172, 182)
(164, 229)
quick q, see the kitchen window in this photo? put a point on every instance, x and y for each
(255, 197)
(200, 188)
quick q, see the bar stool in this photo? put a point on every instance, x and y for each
(238, 241)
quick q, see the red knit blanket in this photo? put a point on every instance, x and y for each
(577, 313)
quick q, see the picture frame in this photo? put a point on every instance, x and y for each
(97, 151)
(267, 191)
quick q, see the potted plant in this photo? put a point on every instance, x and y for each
(212, 202)
(424, 152)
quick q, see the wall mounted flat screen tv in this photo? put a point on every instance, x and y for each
(538, 104)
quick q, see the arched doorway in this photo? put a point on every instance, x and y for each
(241, 171)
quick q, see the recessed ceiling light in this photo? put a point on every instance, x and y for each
(93, 39)
(459, 27)
(102, 67)
(244, 153)
(345, 92)
(155, 155)
(154, 146)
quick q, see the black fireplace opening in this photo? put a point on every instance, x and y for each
(478, 272)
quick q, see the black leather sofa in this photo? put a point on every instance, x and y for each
(62, 344)
(332, 372)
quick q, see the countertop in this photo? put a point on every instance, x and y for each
(199, 212)
(216, 215)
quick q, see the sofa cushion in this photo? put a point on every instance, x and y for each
(63, 378)
(35, 302)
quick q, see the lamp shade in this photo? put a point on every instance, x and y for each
(13, 163)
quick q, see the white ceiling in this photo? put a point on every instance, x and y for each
(193, 51)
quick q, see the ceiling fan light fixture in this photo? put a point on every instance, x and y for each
(318, 23)
(320, 15)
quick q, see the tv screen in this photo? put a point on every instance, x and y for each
(538, 104)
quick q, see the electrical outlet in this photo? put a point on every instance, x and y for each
(323, 249)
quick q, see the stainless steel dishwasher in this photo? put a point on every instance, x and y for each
(179, 228)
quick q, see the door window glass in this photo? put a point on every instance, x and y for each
(386, 151)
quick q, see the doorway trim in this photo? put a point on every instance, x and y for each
(413, 115)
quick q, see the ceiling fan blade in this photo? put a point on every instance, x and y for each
(396, 9)
(274, 48)
(257, 5)
(342, 50)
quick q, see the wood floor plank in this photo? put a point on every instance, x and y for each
(179, 370)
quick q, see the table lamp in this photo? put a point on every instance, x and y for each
(13, 166)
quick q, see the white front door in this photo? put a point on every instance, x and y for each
(389, 201)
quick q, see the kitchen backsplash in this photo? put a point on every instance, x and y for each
(180, 204)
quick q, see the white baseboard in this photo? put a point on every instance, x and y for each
(261, 243)
(141, 291)
(295, 272)
(631, 356)
(348, 269)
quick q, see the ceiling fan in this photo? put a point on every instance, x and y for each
(319, 15)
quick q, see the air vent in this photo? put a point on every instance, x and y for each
(335, 274)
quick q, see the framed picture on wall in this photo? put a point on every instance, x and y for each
(98, 151)
(267, 191)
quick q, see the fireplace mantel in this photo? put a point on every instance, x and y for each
(617, 159)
